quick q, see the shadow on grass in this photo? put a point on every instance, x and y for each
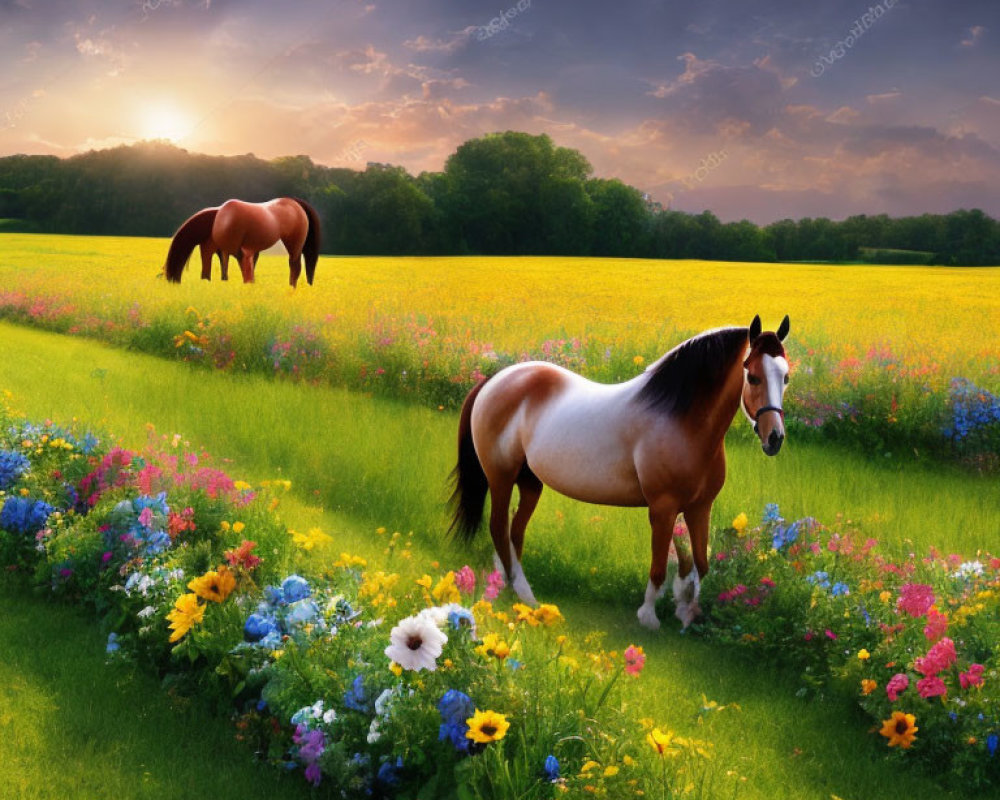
(73, 726)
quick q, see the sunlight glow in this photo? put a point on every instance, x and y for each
(164, 121)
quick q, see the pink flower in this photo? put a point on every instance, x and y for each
(931, 687)
(915, 599)
(770, 584)
(897, 684)
(465, 580)
(635, 659)
(974, 677)
(939, 657)
(146, 517)
(830, 634)
(494, 583)
(937, 624)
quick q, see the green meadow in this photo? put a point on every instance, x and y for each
(357, 463)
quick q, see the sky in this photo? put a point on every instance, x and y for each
(755, 109)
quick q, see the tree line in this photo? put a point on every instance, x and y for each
(502, 194)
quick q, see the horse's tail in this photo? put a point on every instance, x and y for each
(469, 496)
(194, 231)
(310, 250)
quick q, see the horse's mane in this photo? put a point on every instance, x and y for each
(692, 369)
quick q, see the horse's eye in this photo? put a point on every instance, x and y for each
(753, 380)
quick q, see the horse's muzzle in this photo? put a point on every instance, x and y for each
(773, 443)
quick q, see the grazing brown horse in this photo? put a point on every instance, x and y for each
(243, 230)
(657, 440)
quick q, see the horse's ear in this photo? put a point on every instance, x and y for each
(783, 329)
(755, 328)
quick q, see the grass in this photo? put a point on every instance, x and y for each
(359, 462)
(73, 726)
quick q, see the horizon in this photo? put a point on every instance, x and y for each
(760, 110)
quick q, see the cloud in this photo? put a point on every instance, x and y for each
(975, 34)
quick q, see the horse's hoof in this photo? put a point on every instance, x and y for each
(687, 613)
(647, 618)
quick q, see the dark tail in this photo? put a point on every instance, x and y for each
(193, 232)
(469, 497)
(310, 250)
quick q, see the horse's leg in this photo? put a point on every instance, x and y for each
(224, 264)
(687, 584)
(206, 261)
(246, 265)
(294, 267)
(662, 516)
(529, 491)
(500, 494)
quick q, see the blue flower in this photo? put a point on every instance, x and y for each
(112, 646)
(300, 612)
(388, 773)
(840, 589)
(356, 698)
(257, 627)
(551, 769)
(820, 579)
(295, 587)
(12, 466)
(455, 707)
(24, 515)
(991, 744)
(785, 536)
(771, 513)
(460, 618)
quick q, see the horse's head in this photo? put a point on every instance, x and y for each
(765, 375)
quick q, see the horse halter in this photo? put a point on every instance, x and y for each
(762, 409)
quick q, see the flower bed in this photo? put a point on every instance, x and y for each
(368, 681)
(916, 640)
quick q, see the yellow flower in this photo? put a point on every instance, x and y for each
(525, 614)
(446, 591)
(885, 595)
(740, 523)
(868, 686)
(588, 766)
(346, 561)
(863, 654)
(494, 646)
(307, 541)
(661, 742)
(214, 585)
(610, 772)
(238, 527)
(187, 611)
(548, 614)
(900, 729)
(486, 727)
(395, 669)
(638, 361)
(425, 581)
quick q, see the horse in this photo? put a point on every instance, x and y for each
(655, 441)
(244, 229)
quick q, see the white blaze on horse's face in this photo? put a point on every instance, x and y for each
(764, 379)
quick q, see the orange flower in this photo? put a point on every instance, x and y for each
(900, 729)
(214, 585)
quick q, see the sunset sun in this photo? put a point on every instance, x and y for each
(164, 121)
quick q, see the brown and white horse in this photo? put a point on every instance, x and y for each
(244, 229)
(655, 441)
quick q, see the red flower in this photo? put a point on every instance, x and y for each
(242, 556)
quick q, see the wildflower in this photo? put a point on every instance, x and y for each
(258, 627)
(937, 624)
(388, 772)
(214, 585)
(973, 677)
(307, 541)
(941, 656)
(347, 561)
(494, 646)
(186, 612)
(242, 556)
(868, 686)
(12, 466)
(494, 583)
(113, 645)
(898, 684)
(416, 643)
(611, 771)
(486, 727)
(661, 742)
(931, 686)
(635, 659)
(991, 744)
(638, 360)
(740, 523)
(455, 708)
(356, 698)
(900, 729)
(465, 580)
(295, 588)
(551, 769)
(525, 613)
(548, 614)
(915, 599)
(863, 654)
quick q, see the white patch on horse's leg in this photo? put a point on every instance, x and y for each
(686, 592)
(519, 582)
(647, 611)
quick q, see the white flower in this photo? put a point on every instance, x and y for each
(146, 612)
(416, 643)
(329, 716)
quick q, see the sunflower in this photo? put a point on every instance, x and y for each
(416, 643)
(900, 729)
(187, 611)
(486, 727)
(214, 585)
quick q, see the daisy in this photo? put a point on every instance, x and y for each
(416, 643)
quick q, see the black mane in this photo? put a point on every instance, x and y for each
(692, 369)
